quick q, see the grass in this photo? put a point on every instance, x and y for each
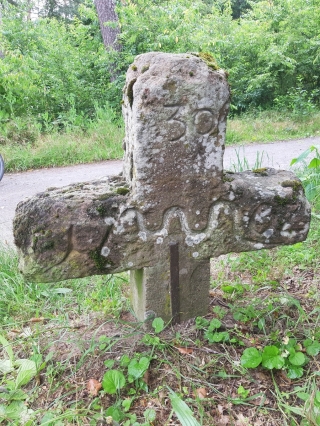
(269, 126)
(102, 140)
(74, 353)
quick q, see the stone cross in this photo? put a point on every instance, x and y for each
(173, 208)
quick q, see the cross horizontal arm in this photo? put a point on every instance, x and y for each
(95, 228)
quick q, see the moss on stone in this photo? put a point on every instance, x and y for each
(294, 184)
(104, 197)
(130, 91)
(208, 59)
(48, 245)
(122, 190)
(97, 258)
(226, 178)
(145, 68)
(101, 209)
(134, 67)
(263, 171)
(281, 200)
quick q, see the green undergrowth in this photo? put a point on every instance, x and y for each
(272, 125)
(23, 147)
(73, 353)
(100, 139)
(21, 300)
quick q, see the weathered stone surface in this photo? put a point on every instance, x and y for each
(175, 110)
(90, 228)
(174, 191)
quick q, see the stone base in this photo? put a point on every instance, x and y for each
(151, 291)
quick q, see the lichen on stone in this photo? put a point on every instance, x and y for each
(281, 200)
(208, 59)
(145, 68)
(130, 91)
(263, 171)
(122, 190)
(294, 184)
(98, 259)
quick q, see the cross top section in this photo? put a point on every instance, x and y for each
(175, 109)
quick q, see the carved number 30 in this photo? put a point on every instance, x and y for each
(203, 120)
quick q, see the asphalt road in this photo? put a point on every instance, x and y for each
(14, 187)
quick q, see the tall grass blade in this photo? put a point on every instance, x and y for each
(183, 412)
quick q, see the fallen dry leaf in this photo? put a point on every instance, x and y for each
(40, 319)
(242, 421)
(201, 393)
(146, 377)
(223, 421)
(187, 351)
(26, 332)
(93, 387)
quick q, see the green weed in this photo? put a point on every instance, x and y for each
(101, 140)
(310, 173)
(269, 126)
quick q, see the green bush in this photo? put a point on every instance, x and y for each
(55, 72)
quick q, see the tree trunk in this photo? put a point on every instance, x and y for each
(106, 13)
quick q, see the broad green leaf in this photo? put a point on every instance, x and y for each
(182, 411)
(271, 358)
(215, 337)
(291, 343)
(113, 381)
(26, 372)
(251, 358)
(115, 412)
(16, 410)
(303, 395)
(7, 347)
(294, 372)
(313, 349)
(17, 395)
(243, 392)
(261, 323)
(228, 288)
(46, 419)
(297, 359)
(109, 363)
(126, 404)
(150, 415)
(6, 366)
(214, 324)
(2, 411)
(137, 368)
(202, 322)
(158, 325)
(124, 361)
(302, 156)
(314, 163)
(307, 342)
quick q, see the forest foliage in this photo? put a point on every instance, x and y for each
(55, 72)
